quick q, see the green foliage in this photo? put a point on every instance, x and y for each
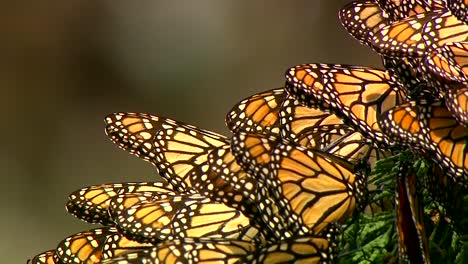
(372, 237)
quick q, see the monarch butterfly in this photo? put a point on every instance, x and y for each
(419, 34)
(357, 94)
(444, 28)
(274, 112)
(356, 149)
(91, 203)
(312, 188)
(458, 8)
(398, 9)
(431, 129)
(84, 247)
(187, 150)
(173, 147)
(404, 38)
(181, 216)
(362, 19)
(457, 102)
(258, 113)
(47, 257)
(403, 122)
(449, 61)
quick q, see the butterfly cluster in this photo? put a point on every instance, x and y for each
(337, 153)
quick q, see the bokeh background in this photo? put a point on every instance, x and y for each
(64, 65)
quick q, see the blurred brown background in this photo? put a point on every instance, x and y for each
(65, 65)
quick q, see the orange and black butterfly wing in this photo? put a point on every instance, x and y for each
(359, 95)
(134, 132)
(253, 153)
(310, 189)
(181, 149)
(403, 38)
(206, 219)
(449, 61)
(84, 247)
(250, 189)
(432, 131)
(362, 19)
(257, 113)
(443, 29)
(318, 187)
(175, 148)
(91, 203)
(410, 77)
(403, 124)
(154, 220)
(448, 139)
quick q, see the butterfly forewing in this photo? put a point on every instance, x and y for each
(449, 61)
(355, 148)
(134, 132)
(362, 19)
(319, 188)
(155, 220)
(84, 247)
(430, 129)
(448, 139)
(403, 38)
(443, 29)
(180, 149)
(91, 203)
(257, 113)
(175, 148)
(403, 123)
